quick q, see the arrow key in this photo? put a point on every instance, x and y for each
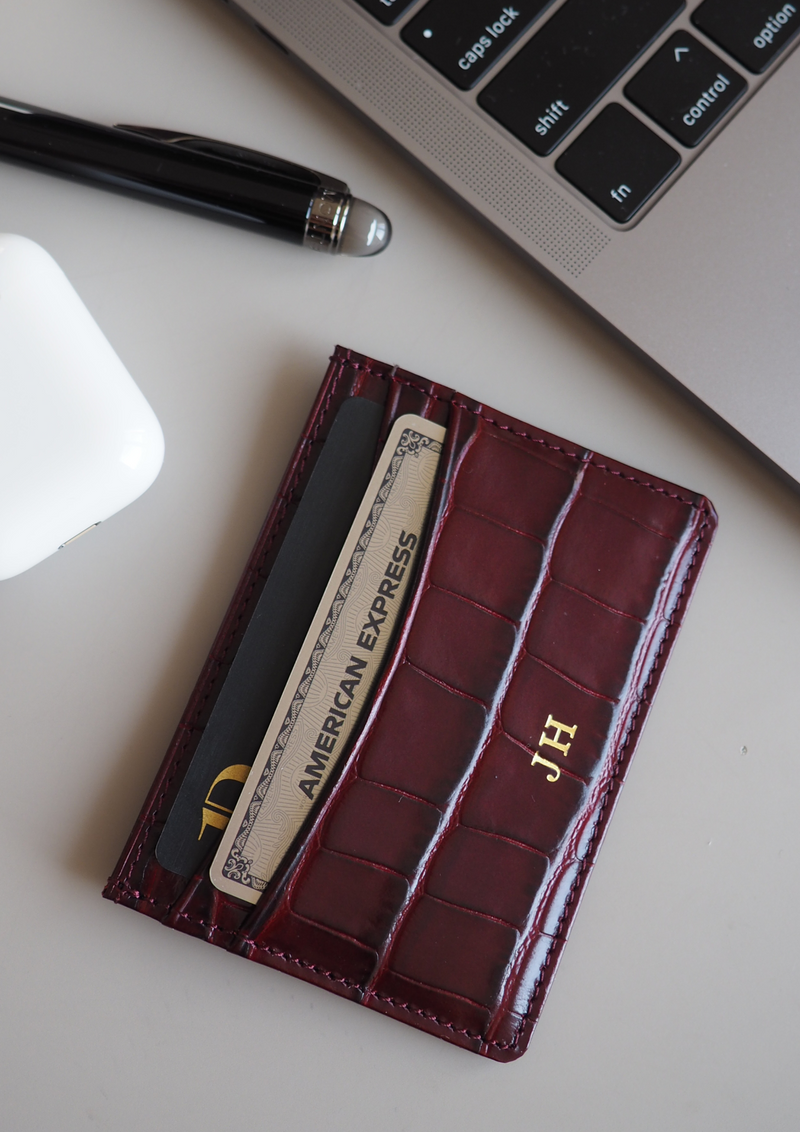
(686, 88)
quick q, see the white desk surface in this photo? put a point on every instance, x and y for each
(676, 1005)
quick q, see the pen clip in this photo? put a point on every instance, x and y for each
(238, 155)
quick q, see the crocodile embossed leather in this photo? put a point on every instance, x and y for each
(438, 879)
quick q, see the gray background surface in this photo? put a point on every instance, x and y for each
(676, 1005)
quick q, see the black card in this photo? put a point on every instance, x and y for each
(272, 640)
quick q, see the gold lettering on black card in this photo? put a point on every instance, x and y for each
(215, 814)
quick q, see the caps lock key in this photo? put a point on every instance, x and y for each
(464, 39)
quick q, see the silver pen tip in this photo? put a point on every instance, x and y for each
(367, 230)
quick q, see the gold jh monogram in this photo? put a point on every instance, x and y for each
(545, 740)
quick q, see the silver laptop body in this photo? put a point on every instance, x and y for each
(703, 279)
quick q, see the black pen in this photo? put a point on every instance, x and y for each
(206, 177)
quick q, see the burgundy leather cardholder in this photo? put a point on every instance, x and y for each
(439, 877)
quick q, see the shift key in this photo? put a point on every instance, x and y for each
(464, 38)
(570, 64)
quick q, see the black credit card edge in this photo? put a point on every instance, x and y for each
(274, 635)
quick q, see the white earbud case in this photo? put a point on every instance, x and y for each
(78, 440)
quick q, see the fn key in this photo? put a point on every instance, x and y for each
(617, 162)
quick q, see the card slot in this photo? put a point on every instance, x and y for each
(313, 839)
(432, 1009)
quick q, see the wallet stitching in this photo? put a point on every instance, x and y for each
(479, 412)
(330, 976)
(637, 522)
(124, 886)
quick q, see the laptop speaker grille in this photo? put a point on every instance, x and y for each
(435, 128)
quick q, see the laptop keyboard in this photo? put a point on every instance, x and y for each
(576, 54)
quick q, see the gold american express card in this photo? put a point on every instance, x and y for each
(338, 665)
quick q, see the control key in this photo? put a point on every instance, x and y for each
(686, 88)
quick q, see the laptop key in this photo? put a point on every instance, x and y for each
(566, 67)
(752, 31)
(387, 11)
(464, 38)
(618, 162)
(686, 88)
